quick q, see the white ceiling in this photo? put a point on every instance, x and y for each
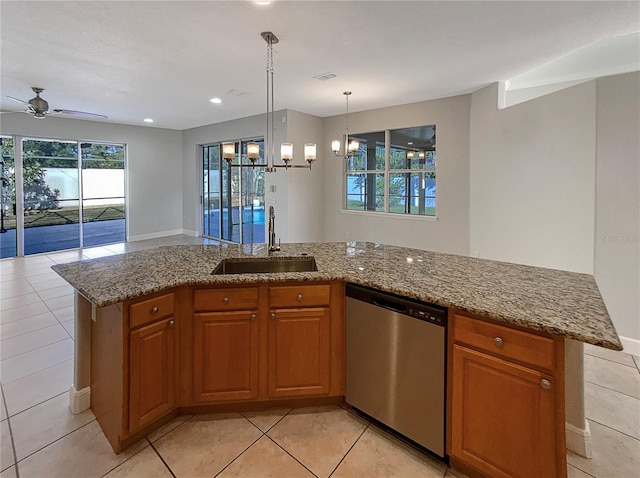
(165, 60)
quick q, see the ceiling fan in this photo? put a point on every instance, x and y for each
(39, 108)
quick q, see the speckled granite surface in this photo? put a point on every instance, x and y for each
(558, 302)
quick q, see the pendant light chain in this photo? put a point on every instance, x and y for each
(270, 105)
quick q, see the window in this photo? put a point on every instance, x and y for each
(393, 171)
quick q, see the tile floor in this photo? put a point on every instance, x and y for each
(41, 438)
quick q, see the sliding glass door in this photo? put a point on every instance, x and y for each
(233, 197)
(68, 195)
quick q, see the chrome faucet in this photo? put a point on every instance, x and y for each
(272, 231)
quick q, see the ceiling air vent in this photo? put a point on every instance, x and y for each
(235, 92)
(325, 76)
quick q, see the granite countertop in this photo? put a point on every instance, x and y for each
(559, 302)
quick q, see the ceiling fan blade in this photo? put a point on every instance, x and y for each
(18, 100)
(79, 113)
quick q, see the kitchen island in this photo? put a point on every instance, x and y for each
(506, 320)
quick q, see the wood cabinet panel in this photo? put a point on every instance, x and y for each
(151, 310)
(241, 298)
(502, 418)
(225, 356)
(299, 296)
(152, 369)
(534, 350)
(299, 352)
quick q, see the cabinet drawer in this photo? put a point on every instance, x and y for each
(225, 299)
(525, 347)
(149, 310)
(299, 296)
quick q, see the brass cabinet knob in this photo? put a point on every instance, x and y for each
(299, 297)
(272, 315)
(225, 300)
(546, 384)
(172, 323)
(154, 310)
(253, 316)
(498, 341)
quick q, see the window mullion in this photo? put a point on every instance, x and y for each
(387, 166)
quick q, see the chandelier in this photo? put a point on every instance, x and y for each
(350, 147)
(286, 149)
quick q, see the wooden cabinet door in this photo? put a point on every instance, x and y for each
(152, 368)
(225, 356)
(299, 352)
(503, 421)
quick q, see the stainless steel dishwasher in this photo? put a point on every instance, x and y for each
(396, 364)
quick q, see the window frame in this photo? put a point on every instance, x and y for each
(387, 173)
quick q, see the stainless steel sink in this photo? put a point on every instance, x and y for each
(266, 265)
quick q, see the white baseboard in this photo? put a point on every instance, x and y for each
(79, 400)
(189, 232)
(154, 235)
(630, 346)
(579, 440)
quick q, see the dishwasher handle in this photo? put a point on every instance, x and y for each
(391, 305)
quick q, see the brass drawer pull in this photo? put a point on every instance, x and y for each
(498, 341)
(546, 384)
(172, 323)
(299, 297)
(272, 315)
(253, 316)
(225, 300)
(154, 310)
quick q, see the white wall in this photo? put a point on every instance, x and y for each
(532, 187)
(617, 255)
(450, 233)
(306, 196)
(154, 166)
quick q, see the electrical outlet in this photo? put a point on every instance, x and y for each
(476, 254)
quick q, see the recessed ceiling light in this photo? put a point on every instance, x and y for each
(216, 101)
(263, 3)
(148, 120)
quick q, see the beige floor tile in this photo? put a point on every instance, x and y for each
(318, 437)
(47, 282)
(95, 252)
(637, 362)
(31, 341)
(613, 355)
(38, 387)
(3, 410)
(377, 454)
(24, 326)
(15, 288)
(56, 292)
(45, 423)
(31, 260)
(204, 445)
(59, 303)
(10, 275)
(67, 256)
(18, 301)
(37, 270)
(172, 425)
(85, 453)
(6, 450)
(265, 459)
(573, 472)
(70, 327)
(613, 409)
(146, 464)
(34, 361)
(612, 375)
(614, 454)
(9, 473)
(265, 419)
(65, 314)
(23, 312)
